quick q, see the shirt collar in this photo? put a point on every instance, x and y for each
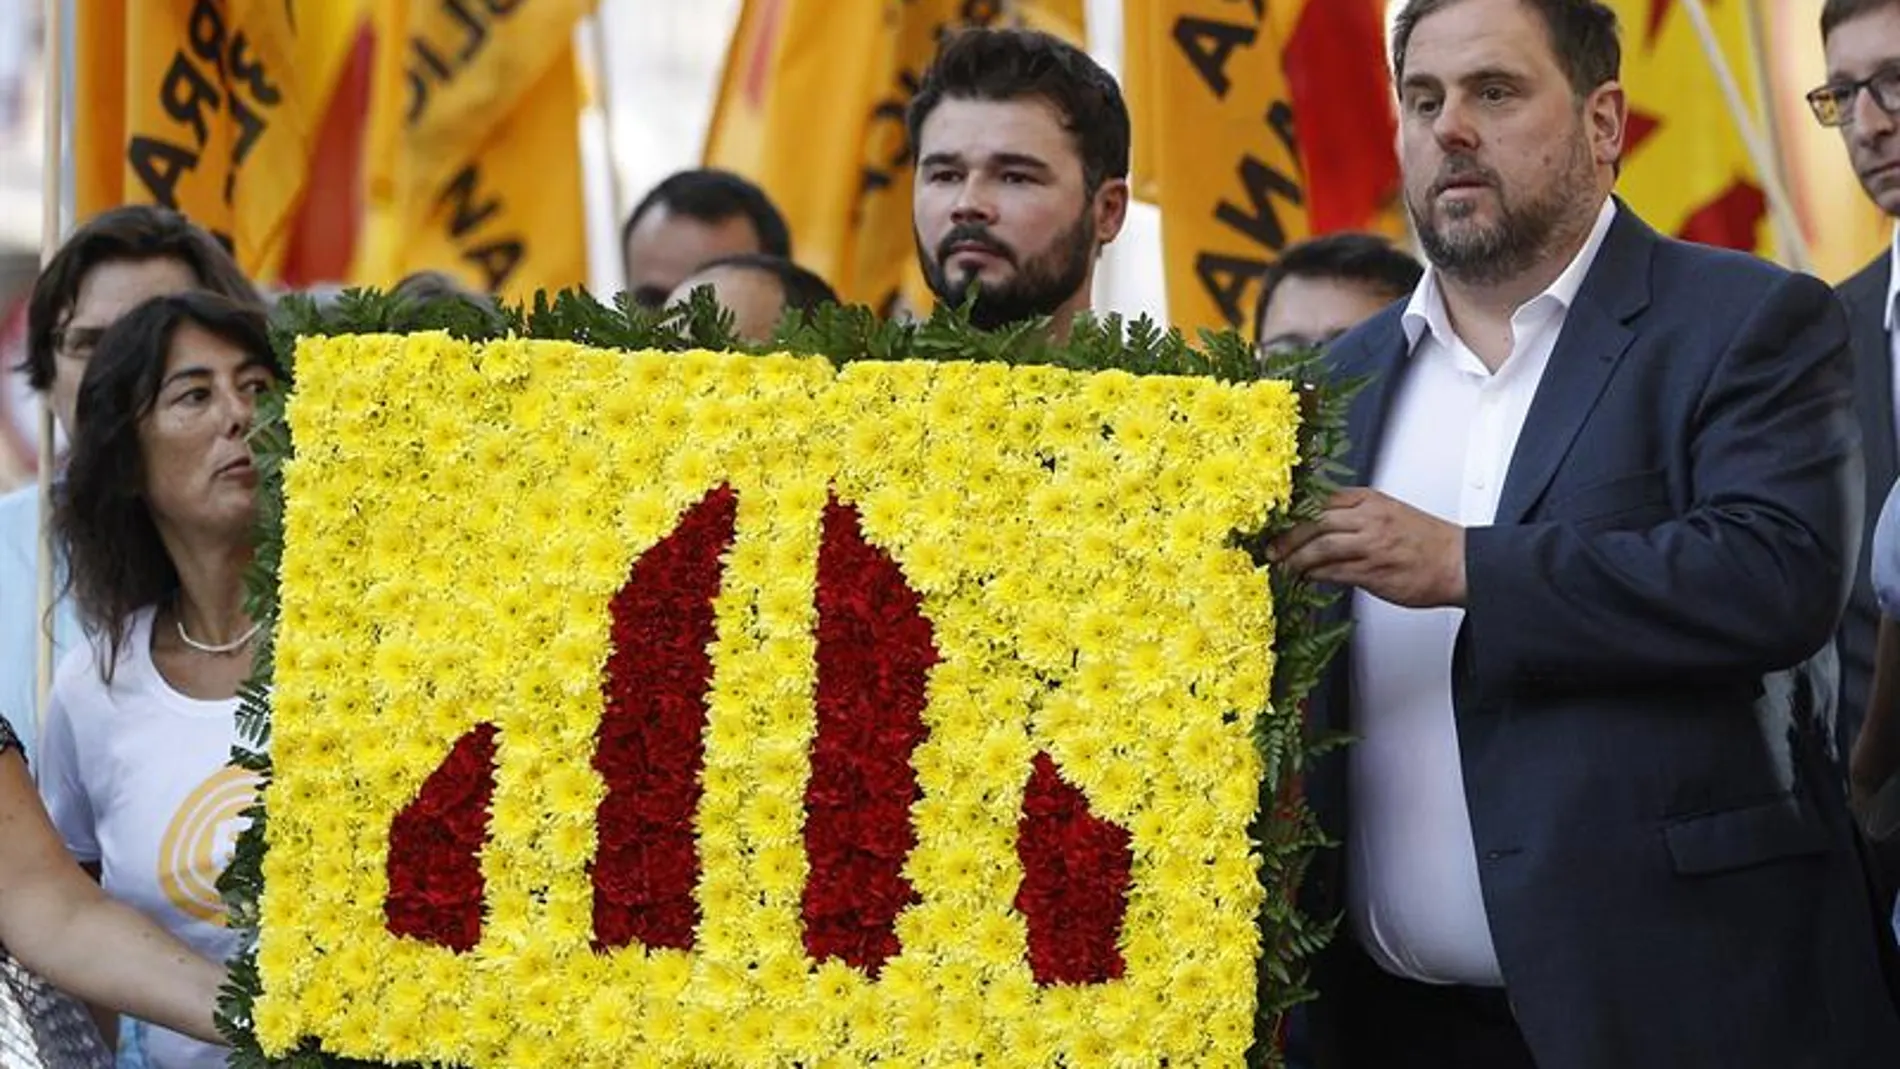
(1426, 310)
(1893, 278)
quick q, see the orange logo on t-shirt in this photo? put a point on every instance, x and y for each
(199, 842)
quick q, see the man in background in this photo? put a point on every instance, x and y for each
(1022, 175)
(1320, 289)
(691, 219)
(758, 290)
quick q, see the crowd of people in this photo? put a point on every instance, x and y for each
(1621, 556)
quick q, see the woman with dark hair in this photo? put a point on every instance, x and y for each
(55, 921)
(155, 520)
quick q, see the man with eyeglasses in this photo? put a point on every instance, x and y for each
(1862, 99)
(1322, 288)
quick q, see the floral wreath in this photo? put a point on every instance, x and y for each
(909, 702)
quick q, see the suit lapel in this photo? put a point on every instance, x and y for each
(1594, 338)
(1873, 374)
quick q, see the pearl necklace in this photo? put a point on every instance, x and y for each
(232, 646)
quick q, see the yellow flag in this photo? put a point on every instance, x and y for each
(1686, 169)
(1140, 45)
(795, 112)
(474, 145)
(99, 103)
(1220, 144)
(1067, 19)
(811, 107)
(210, 108)
(1213, 91)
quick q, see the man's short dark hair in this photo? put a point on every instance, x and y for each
(714, 196)
(133, 232)
(1583, 34)
(1011, 64)
(803, 288)
(1366, 260)
(1835, 12)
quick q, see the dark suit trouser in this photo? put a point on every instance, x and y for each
(1392, 1023)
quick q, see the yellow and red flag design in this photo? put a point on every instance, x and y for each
(209, 108)
(1686, 168)
(1256, 127)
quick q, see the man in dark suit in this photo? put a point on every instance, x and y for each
(1862, 98)
(1611, 508)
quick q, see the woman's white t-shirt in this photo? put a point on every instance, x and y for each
(138, 778)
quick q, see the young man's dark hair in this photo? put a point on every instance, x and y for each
(1582, 34)
(1364, 260)
(1010, 64)
(803, 288)
(131, 232)
(713, 196)
(1835, 12)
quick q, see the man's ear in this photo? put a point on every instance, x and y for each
(1607, 111)
(1110, 209)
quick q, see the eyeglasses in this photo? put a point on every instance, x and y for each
(1834, 104)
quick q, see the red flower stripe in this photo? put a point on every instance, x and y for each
(1076, 874)
(435, 849)
(651, 746)
(875, 648)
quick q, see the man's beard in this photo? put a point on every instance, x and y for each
(1483, 256)
(1039, 286)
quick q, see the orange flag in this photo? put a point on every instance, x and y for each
(474, 164)
(210, 108)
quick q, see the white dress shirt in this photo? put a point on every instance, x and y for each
(1893, 338)
(1415, 901)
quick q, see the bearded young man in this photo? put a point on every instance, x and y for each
(1610, 513)
(1022, 175)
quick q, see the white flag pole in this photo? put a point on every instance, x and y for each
(1794, 245)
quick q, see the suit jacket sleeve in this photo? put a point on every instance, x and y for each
(1750, 578)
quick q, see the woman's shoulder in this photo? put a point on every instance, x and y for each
(81, 672)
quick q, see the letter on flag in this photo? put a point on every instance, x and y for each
(1255, 127)
(210, 108)
(474, 142)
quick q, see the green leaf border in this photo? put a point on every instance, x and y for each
(1287, 832)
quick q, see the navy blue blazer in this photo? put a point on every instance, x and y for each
(1668, 866)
